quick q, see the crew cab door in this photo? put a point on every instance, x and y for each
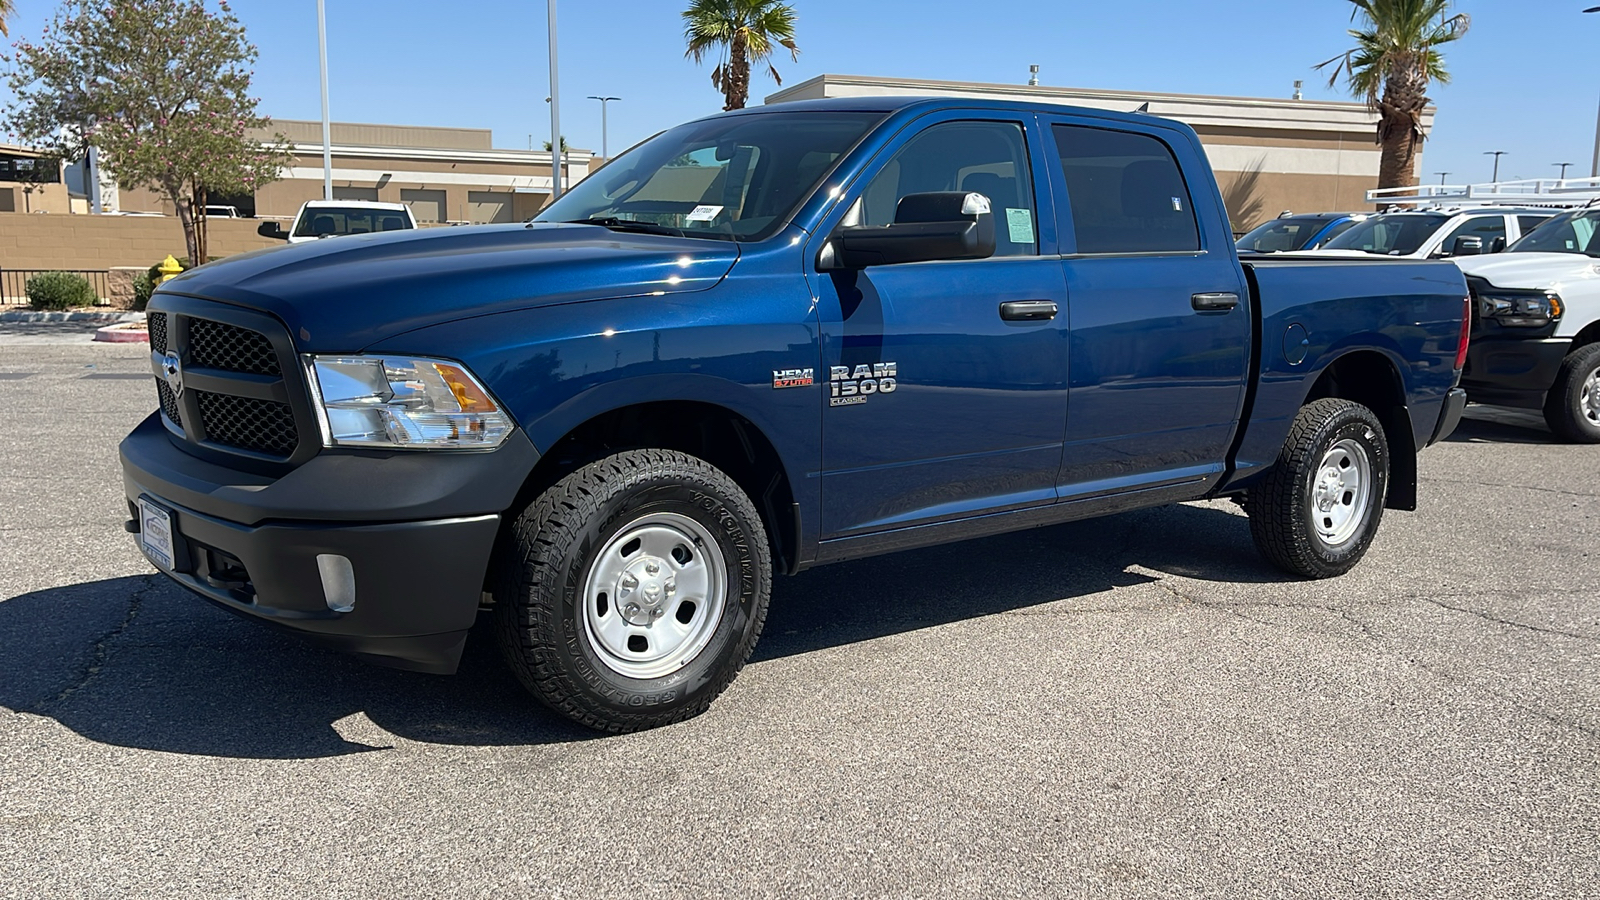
(972, 416)
(1159, 309)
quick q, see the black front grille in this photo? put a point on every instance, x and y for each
(169, 403)
(264, 426)
(156, 324)
(217, 345)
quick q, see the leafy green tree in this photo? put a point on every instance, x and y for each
(739, 33)
(1395, 57)
(161, 87)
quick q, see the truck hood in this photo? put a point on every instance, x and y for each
(343, 294)
(1536, 271)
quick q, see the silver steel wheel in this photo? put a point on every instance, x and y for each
(654, 595)
(1589, 398)
(1341, 491)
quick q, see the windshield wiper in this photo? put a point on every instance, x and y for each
(616, 224)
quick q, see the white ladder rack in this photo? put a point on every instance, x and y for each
(1555, 193)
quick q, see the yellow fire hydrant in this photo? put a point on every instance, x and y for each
(170, 268)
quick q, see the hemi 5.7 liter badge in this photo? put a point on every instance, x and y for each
(849, 387)
(787, 378)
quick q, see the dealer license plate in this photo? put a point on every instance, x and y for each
(155, 533)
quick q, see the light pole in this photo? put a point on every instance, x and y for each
(555, 111)
(1563, 169)
(327, 126)
(1442, 176)
(1594, 170)
(1496, 154)
(605, 146)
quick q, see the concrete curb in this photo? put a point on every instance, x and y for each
(109, 316)
(122, 333)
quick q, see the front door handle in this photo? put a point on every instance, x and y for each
(1028, 310)
(1222, 300)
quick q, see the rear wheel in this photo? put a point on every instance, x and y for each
(1317, 511)
(634, 591)
(1572, 408)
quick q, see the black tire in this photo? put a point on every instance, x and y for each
(541, 578)
(1283, 507)
(1564, 406)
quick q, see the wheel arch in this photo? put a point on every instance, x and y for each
(1370, 377)
(715, 433)
(1589, 334)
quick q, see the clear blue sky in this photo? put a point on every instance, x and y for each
(1522, 82)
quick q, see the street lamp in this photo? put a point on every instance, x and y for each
(1563, 169)
(327, 126)
(605, 146)
(1442, 176)
(555, 112)
(1496, 154)
(1594, 170)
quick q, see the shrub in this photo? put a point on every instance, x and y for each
(143, 286)
(60, 291)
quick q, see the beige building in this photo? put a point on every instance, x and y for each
(30, 182)
(1269, 155)
(446, 175)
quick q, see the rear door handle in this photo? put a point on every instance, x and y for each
(1214, 301)
(1028, 310)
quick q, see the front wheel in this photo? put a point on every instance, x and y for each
(633, 591)
(1572, 408)
(1317, 511)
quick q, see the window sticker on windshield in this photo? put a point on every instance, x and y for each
(1019, 224)
(703, 214)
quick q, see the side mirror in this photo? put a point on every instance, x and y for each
(272, 230)
(927, 227)
(1467, 246)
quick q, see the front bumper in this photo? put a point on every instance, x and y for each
(416, 528)
(1513, 370)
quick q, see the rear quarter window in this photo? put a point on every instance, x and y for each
(1126, 192)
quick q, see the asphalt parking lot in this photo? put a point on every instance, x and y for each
(1130, 707)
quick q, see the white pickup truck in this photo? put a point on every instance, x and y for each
(330, 218)
(1536, 325)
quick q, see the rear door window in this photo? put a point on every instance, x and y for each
(1126, 192)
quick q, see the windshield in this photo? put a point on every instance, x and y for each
(1398, 234)
(325, 221)
(1282, 234)
(1571, 233)
(732, 178)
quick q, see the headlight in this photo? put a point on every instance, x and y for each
(1518, 310)
(403, 403)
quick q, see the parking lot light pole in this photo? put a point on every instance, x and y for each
(1496, 154)
(605, 145)
(327, 126)
(1442, 176)
(555, 111)
(1594, 170)
(1563, 169)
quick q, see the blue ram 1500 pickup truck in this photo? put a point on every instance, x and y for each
(759, 342)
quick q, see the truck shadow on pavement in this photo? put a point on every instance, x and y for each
(138, 662)
(1494, 425)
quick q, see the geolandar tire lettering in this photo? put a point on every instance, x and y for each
(1572, 408)
(631, 592)
(1318, 508)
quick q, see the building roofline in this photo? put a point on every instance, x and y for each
(529, 157)
(1066, 95)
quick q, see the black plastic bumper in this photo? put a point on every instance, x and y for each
(417, 530)
(1513, 371)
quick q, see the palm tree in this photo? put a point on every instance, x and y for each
(740, 32)
(1395, 57)
(7, 10)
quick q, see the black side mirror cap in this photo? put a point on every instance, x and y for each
(272, 230)
(931, 226)
(1467, 245)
